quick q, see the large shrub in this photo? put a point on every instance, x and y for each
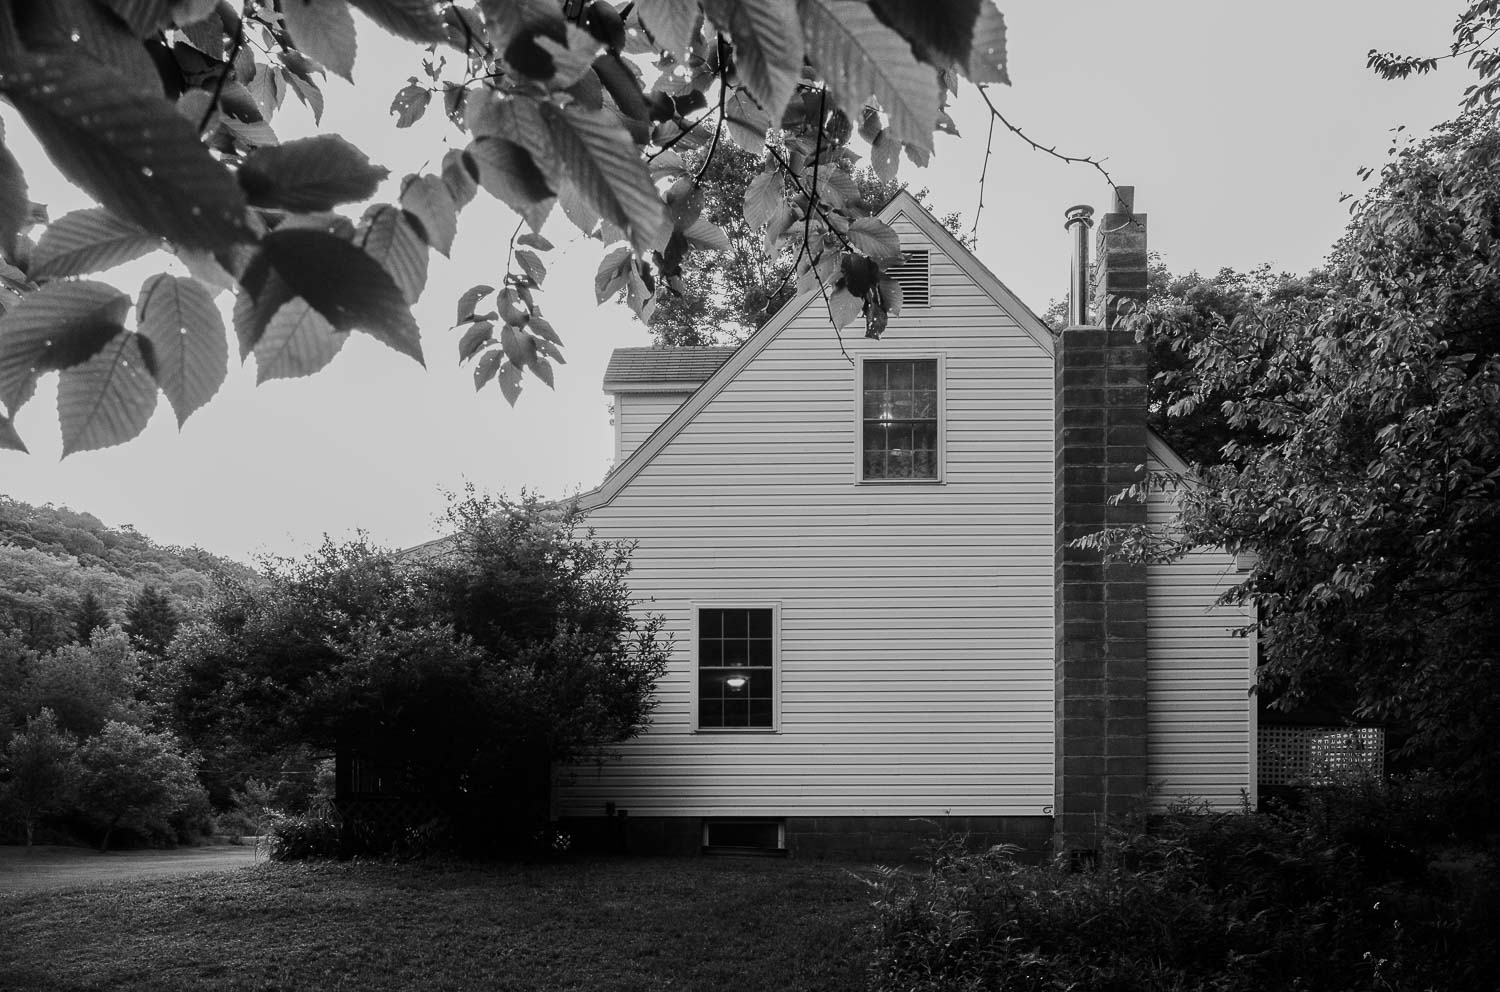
(461, 673)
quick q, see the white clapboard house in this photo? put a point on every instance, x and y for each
(861, 549)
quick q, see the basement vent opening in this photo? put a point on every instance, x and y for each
(915, 278)
(754, 836)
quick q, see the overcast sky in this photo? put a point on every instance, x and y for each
(1239, 125)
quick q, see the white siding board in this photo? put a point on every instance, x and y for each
(1200, 715)
(916, 621)
(638, 414)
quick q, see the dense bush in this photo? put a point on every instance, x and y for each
(1226, 902)
(314, 834)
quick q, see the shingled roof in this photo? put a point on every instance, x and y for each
(642, 368)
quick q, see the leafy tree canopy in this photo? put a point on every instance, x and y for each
(512, 641)
(162, 109)
(1362, 470)
(732, 290)
(52, 557)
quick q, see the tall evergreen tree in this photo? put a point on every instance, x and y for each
(151, 621)
(89, 617)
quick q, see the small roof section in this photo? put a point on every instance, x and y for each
(662, 369)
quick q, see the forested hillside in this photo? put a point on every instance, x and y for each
(52, 558)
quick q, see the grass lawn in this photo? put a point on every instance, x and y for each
(600, 925)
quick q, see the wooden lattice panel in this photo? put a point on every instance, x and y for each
(1319, 755)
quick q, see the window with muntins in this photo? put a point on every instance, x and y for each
(736, 668)
(900, 434)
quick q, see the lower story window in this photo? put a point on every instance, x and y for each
(736, 668)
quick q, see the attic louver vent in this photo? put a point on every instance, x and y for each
(915, 278)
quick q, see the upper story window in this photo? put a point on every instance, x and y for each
(736, 668)
(901, 419)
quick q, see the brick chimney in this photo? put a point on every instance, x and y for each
(1100, 608)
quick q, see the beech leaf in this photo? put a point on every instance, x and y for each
(876, 239)
(986, 61)
(941, 31)
(88, 241)
(309, 93)
(426, 198)
(298, 341)
(348, 287)
(15, 201)
(843, 306)
(131, 152)
(763, 197)
(613, 274)
(57, 326)
(509, 173)
(107, 399)
(387, 236)
(531, 265)
(415, 20)
(670, 22)
(531, 239)
(860, 58)
(143, 17)
(309, 174)
(189, 350)
(597, 156)
(479, 334)
(461, 176)
(9, 439)
(767, 46)
(410, 103)
(488, 365)
(470, 299)
(324, 31)
(703, 233)
(509, 379)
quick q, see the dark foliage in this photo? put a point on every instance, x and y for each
(1234, 902)
(454, 669)
(151, 621)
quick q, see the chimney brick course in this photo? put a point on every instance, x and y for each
(1100, 608)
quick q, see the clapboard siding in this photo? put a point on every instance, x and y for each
(638, 414)
(916, 620)
(1200, 715)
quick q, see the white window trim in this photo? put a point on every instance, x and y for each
(697, 607)
(859, 415)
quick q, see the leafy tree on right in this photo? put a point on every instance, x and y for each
(1361, 461)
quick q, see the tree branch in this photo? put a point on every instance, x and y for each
(234, 51)
(1037, 146)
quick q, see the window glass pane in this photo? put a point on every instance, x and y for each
(924, 464)
(899, 437)
(710, 712)
(760, 623)
(898, 465)
(875, 375)
(710, 623)
(924, 374)
(710, 652)
(924, 404)
(736, 652)
(737, 712)
(760, 652)
(736, 623)
(761, 714)
(900, 374)
(874, 466)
